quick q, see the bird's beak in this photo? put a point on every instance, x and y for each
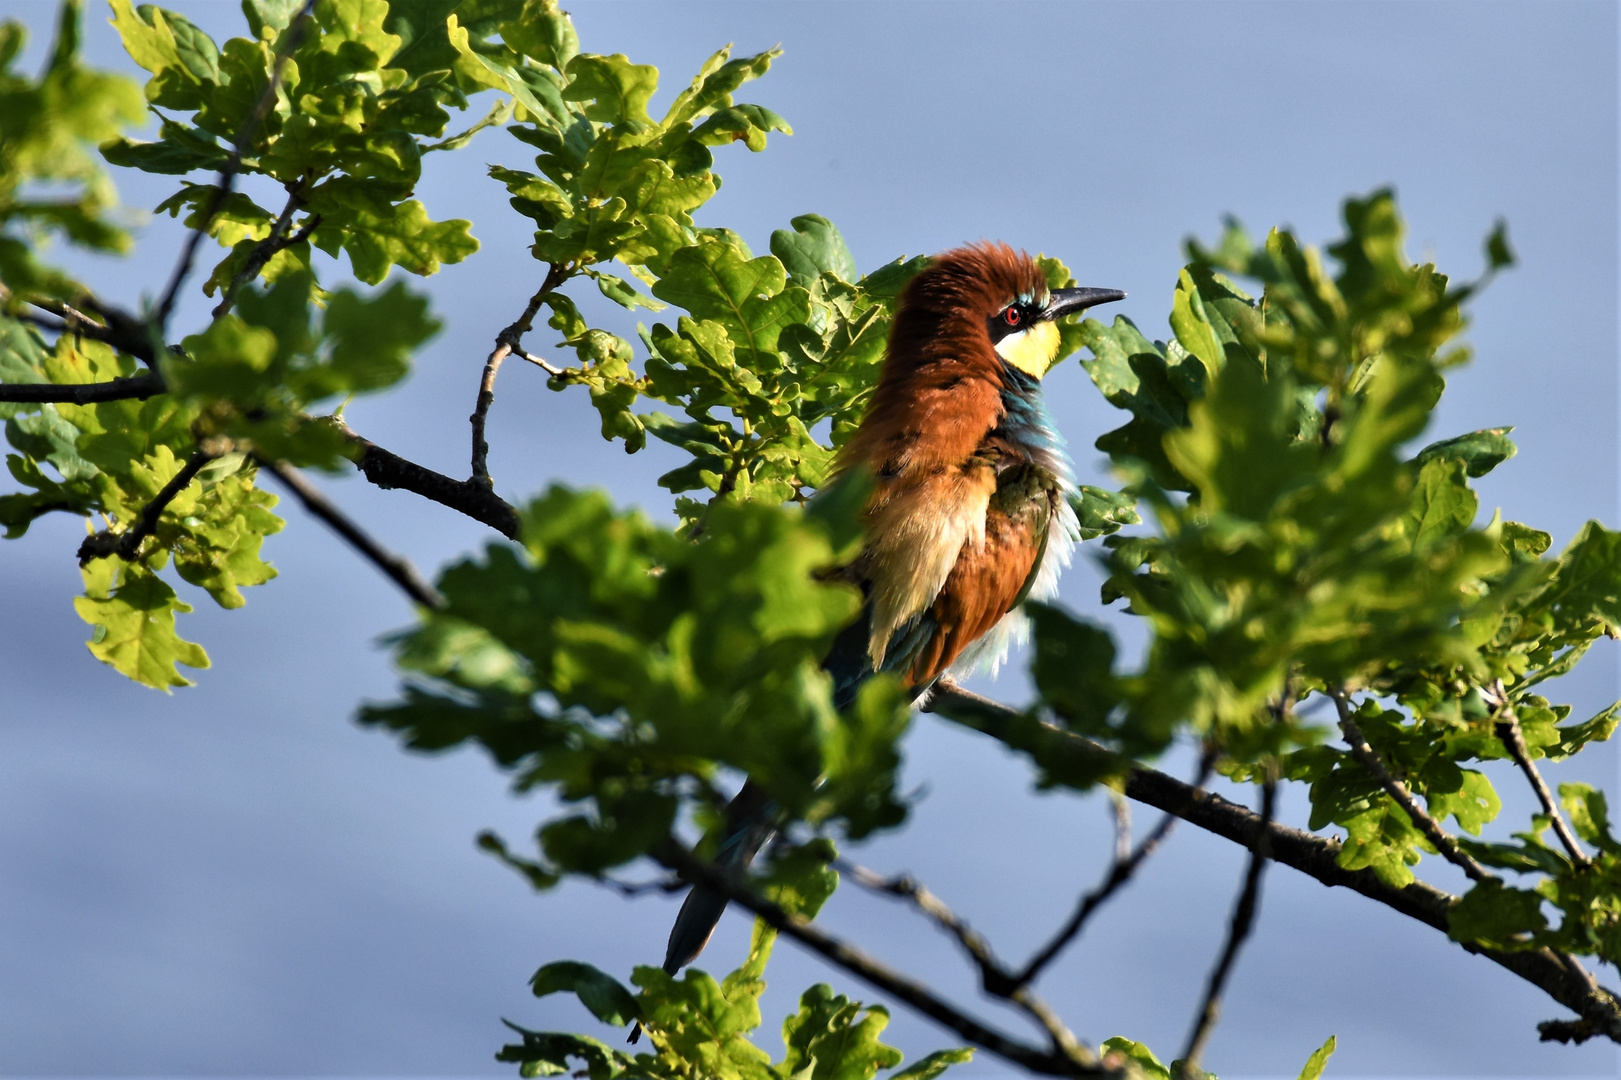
(1069, 301)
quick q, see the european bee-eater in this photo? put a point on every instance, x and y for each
(969, 513)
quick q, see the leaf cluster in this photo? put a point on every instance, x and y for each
(50, 184)
(1309, 554)
(354, 97)
(111, 459)
(1301, 545)
(699, 1027)
(624, 665)
(336, 107)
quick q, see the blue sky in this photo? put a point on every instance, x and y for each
(238, 881)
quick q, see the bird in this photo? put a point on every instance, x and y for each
(969, 512)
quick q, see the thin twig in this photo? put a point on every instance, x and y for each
(1508, 730)
(72, 320)
(1120, 872)
(677, 858)
(397, 567)
(994, 975)
(72, 315)
(277, 242)
(499, 113)
(908, 888)
(509, 340)
(549, 368)
(117, 329)
(1120, 810)
(1370, 760)
(138, 387)
(126, 333)
(292, 38)
(1238, 930)
(262, 251)
(127, 543)
(1555, 973)
(55, 326)
(633, 889)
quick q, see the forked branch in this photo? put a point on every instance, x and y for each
(507, 342)
(292, 38)
(1238, 930)
(387, 469)
(1122, 868)
(127, 544)
(1508, 730)
(1369, 759)
(1558, 975)
(994, 975)
(127, 335)
(280, 239)
(674, 856)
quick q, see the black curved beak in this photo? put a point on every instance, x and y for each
(1069, 301)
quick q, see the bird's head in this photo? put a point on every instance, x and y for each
(988, 298)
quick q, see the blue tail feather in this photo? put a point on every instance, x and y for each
(850, 662)
(751, 817)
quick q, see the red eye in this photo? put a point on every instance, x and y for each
(1011, 316)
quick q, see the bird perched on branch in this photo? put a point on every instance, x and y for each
(969, 513)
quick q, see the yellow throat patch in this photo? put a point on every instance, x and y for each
(1031, 350)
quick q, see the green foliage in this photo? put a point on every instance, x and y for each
(698, 1028)
(111, 459)
(254, 375)
(342, 133)
(49, 183)
(1318, 1061)
(345, 133)
(623, 664)
(608, 1001)
(1135, 1057)
(1308, 553)
(133, 613)
(1298, 544)
(1310, 556)
(1102, 513)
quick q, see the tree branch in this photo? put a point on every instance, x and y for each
(276, 242)
(674, 856)
(508, 341)
(138, 387)
(1568, 1031)
(632, 889)
(1369, 759)
(381, 467)
(396, 567)
(122, 331)
(127, 543)
(1124, 865)
(994, 976)
(1557, 975)
(291, 40)
(117, 329)
(1508, 730)
(388, 470)
(1238, 930)
(545, 365)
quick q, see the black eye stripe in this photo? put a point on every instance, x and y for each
(1012, 319)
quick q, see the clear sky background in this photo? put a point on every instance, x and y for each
(236, 880)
